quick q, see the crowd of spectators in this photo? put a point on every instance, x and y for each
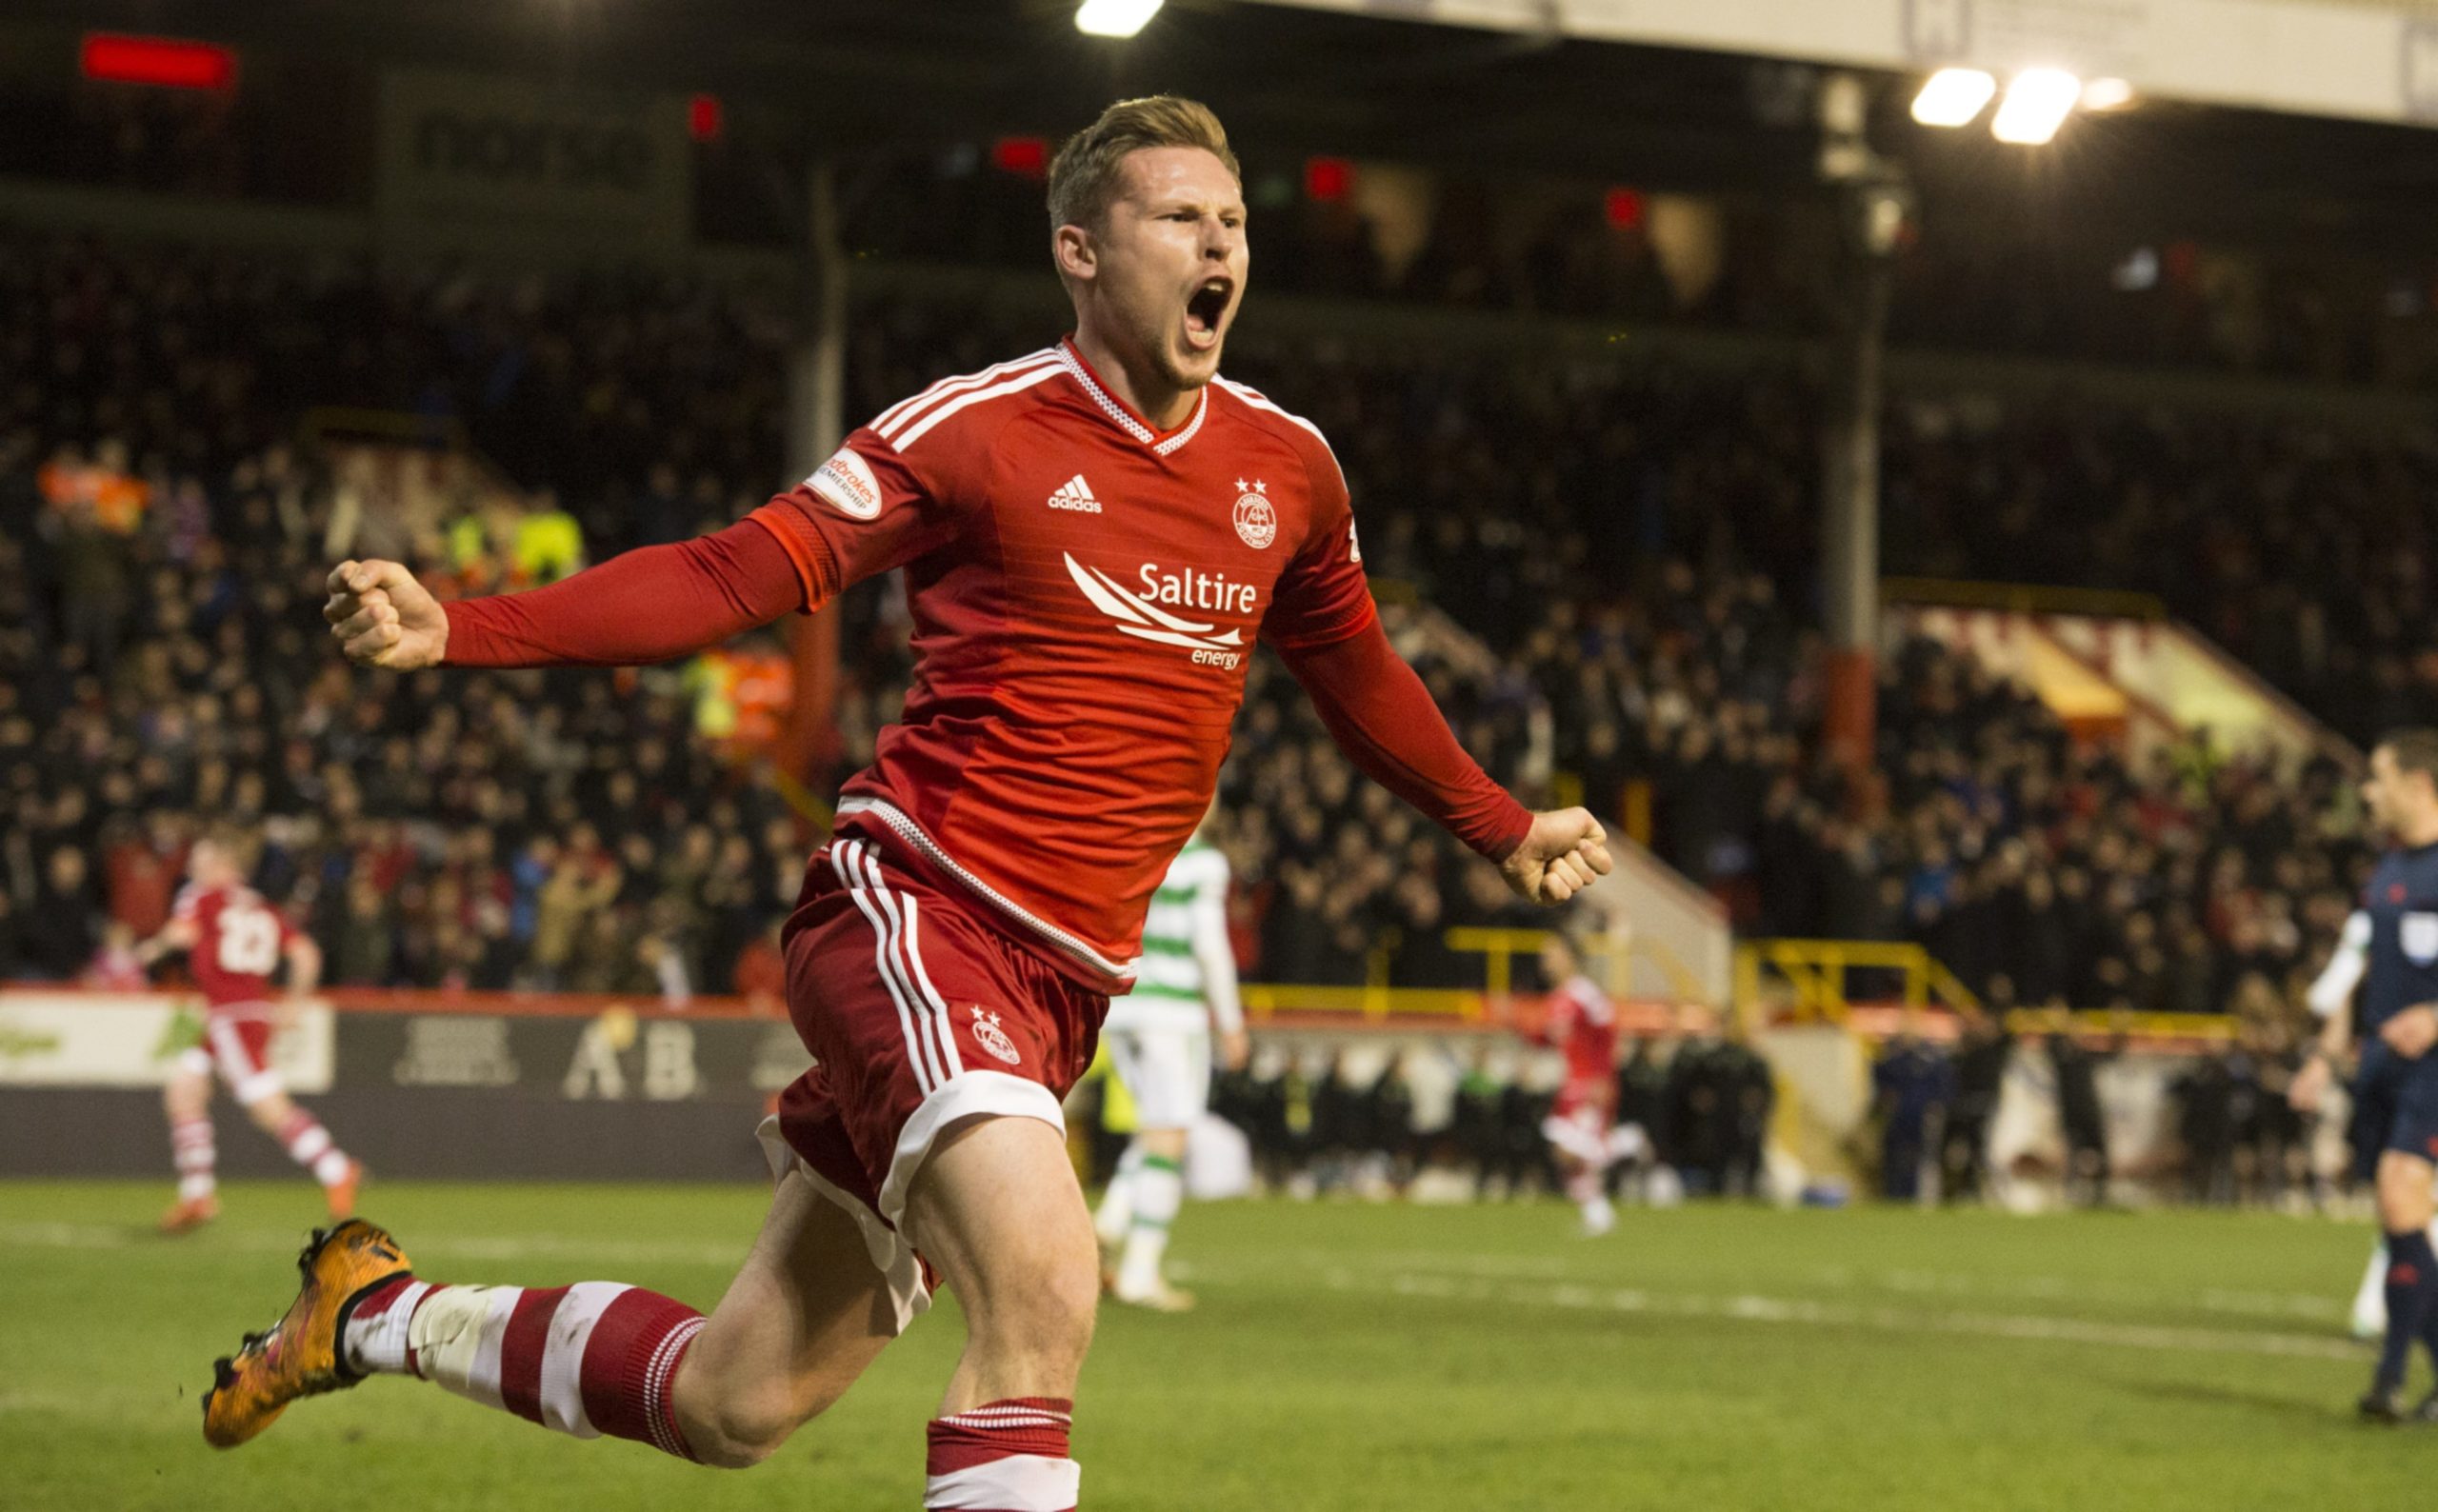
(1322, 1122)
(2236, 1138)
(1601, 569)
(163, 668)
(2302, 547)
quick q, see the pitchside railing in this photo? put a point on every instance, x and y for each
(1876, 987)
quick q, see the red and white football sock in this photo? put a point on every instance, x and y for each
(594, 1357)
(1006, 1456)
(308, 1144)
(193, 1150)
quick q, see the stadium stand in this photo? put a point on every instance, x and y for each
(166, 532)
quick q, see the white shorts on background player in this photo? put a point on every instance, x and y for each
(1166, 1068)
(1159, 1035)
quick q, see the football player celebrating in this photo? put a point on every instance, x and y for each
(1093, 536)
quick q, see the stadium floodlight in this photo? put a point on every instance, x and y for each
(2037, 104)
(2106, 95)
(1953, 97)
(1114, 18)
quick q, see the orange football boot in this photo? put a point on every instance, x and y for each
(189, 1214)
(299, 1357)
(341, 1193)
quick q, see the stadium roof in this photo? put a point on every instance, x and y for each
(869, 72)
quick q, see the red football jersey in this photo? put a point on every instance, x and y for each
(1582, 1023)
(1086, 592)
(240, 945)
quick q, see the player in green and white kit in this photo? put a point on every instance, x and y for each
(1159, 1041)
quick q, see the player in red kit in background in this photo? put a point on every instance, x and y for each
(234, 942)
(1579, 1023)
(1093, 536)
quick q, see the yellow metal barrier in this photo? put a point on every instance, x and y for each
(2133, 1026)
(1815, 970)
(1379, 1002)
(1499, 949)
(1816, 973)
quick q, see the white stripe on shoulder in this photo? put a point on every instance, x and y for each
(1259, 401)
(1024, 379)
(955, 383)
(896, 416)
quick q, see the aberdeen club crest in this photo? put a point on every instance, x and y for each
(1256, 522)
(993, 1039)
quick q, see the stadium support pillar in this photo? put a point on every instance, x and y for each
(816, 424)
(1849, 527)
(1873, 205)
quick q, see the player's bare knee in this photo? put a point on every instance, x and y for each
(2405, 1197)
(735, 1430)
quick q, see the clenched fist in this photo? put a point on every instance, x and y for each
(1564, 851)
(384, 617)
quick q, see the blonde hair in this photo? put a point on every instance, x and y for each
(1083, 177)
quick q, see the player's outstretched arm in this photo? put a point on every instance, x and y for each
(1380, 714)
(2310, 1084)
(654, 605)
(178, 934)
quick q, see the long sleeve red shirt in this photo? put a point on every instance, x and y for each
(1085, 589)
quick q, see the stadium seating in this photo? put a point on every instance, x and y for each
(1621, 546)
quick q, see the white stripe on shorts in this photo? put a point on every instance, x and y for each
(845, 856)
(250, 1081)
(916, 983)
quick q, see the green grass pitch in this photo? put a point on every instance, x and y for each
(1345, 1358)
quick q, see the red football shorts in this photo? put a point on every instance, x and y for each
(921, 1010)
(1578, 1121)
(236, 1043)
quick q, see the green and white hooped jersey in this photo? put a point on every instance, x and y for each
(1187, 976)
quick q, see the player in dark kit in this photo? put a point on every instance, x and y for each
(2395, 1097)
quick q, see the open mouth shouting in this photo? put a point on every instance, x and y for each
(1206, 310)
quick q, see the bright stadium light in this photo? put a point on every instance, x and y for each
(2037, 104)
(2106, 95)
(1114, 18)
(1953, 96)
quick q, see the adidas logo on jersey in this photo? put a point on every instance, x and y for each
(1077, 495)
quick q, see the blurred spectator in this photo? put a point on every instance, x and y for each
(1912, 1084)
(1980, 1074)
(114, 967)
(58, 934)
(2080, 1115)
